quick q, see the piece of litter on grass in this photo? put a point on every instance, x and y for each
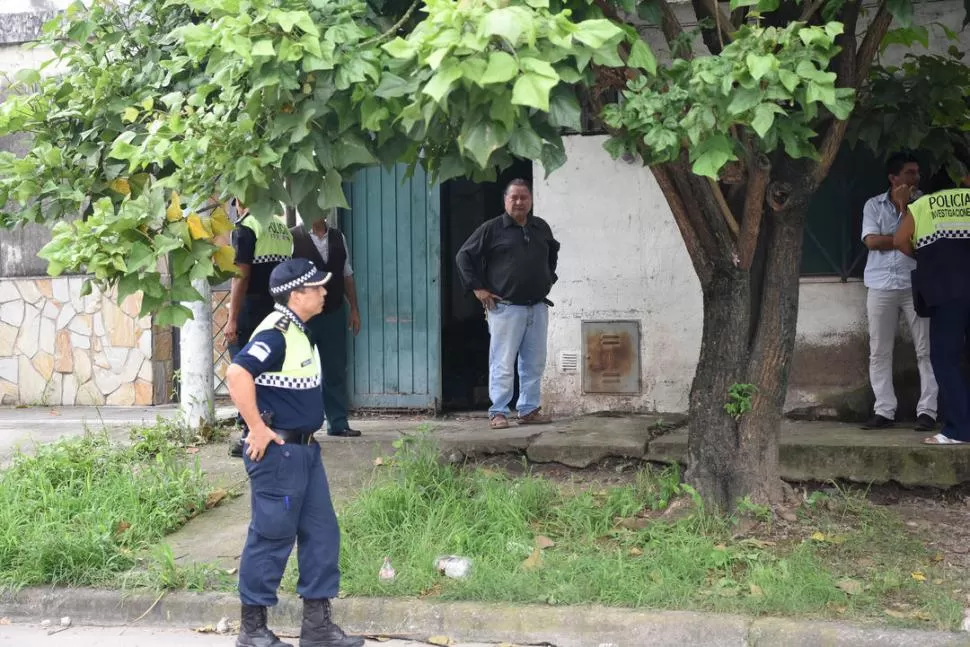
(387, 571)
(443, 641)
(635, 552)
(232, 571)
(756, 591)
(919, 576)
(543, 542)
(966, 621)
(45, 623)
(66, 621)
(223, 626)
(378, 461)
(208, 629)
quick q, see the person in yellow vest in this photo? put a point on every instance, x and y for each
(936, 232)
(260, 247)
(275, 383)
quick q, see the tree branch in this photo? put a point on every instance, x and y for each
(832, 141)
(870, 44)
(811, 8)
(725, 209)
(724, 30)
(692, 241)
(671, 27)
(759, 170)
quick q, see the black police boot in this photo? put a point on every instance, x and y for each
(254, 632)
(319, 630)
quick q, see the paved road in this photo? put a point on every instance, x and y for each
(35, 636)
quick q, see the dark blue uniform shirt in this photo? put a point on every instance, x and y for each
(299, 410)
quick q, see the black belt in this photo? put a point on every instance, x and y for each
(291, 437)
(296, 437)
(528, 303)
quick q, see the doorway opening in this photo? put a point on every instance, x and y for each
(464, 334)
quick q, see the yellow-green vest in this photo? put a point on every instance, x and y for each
(944, 214)
(301, 364)
(274, 242)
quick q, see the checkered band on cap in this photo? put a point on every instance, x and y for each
(284, 382)
(940, 234)
(270, 258)
(295, 283)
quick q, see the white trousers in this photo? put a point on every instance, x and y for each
(884, 308)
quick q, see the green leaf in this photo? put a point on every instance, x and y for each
(641, 57)
(172, 315)
(650, 11)
(789, 79)
(140, 256)
(501, 69)
(482, 138)
(332, 192)
(743, 99)
(440, 84)
(901, 10)
(533, 90)
(553, 156)
(400, 49)
(759, 65)
(564, 110)
(764, 117)
(737, 4)
(526, 143)
(264, 48)
(129, 115)
(507, 22)
(711, 155)
(597, 33)
(350, 151)
(393, 86)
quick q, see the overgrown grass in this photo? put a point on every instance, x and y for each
(79, 511)
(843, 558)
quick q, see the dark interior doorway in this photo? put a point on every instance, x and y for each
(464, 334)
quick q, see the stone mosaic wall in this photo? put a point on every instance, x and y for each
(59, 348)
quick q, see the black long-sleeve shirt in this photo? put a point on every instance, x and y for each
(516, 263)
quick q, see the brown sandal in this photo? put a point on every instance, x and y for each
(498, 421)
(535, 417)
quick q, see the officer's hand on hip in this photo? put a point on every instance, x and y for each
(258, 439)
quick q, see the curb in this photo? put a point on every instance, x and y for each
(476, 622)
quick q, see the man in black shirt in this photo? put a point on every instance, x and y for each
(510, 264)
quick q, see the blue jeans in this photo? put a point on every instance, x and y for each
(290, 503)
(949, 334)
(516, 331)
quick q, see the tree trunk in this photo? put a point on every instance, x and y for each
(746, 342)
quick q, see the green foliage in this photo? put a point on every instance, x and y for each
(274, 104)
(771, 84)
(80, 510)
(920, 105)
(740, 399)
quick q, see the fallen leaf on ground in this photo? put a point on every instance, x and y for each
(533, 561)
(937, 557)
(191, 450)
(378, 461)
(817, 536)
(919, 576)
(208, 629)
(850, 586)
(543, 542)
(756, 591)
(443, 641)
(122, 527)
(635, 552)
(215, 497)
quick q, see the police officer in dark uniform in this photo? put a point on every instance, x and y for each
(275, 383)
(260, 247)
(936, 231)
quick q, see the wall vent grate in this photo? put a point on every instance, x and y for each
(569, 361)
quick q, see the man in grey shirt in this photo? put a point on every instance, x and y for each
(888, 278)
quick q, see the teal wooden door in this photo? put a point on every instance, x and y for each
(393, 230)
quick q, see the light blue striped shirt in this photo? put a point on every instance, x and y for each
(885, 269)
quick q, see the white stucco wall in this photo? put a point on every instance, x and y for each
(623, 258)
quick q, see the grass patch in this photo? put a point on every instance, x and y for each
(79, 511)
(843, 557)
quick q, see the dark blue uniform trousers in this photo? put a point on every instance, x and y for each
(290, 502)
(949, 332)
(330, 335)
